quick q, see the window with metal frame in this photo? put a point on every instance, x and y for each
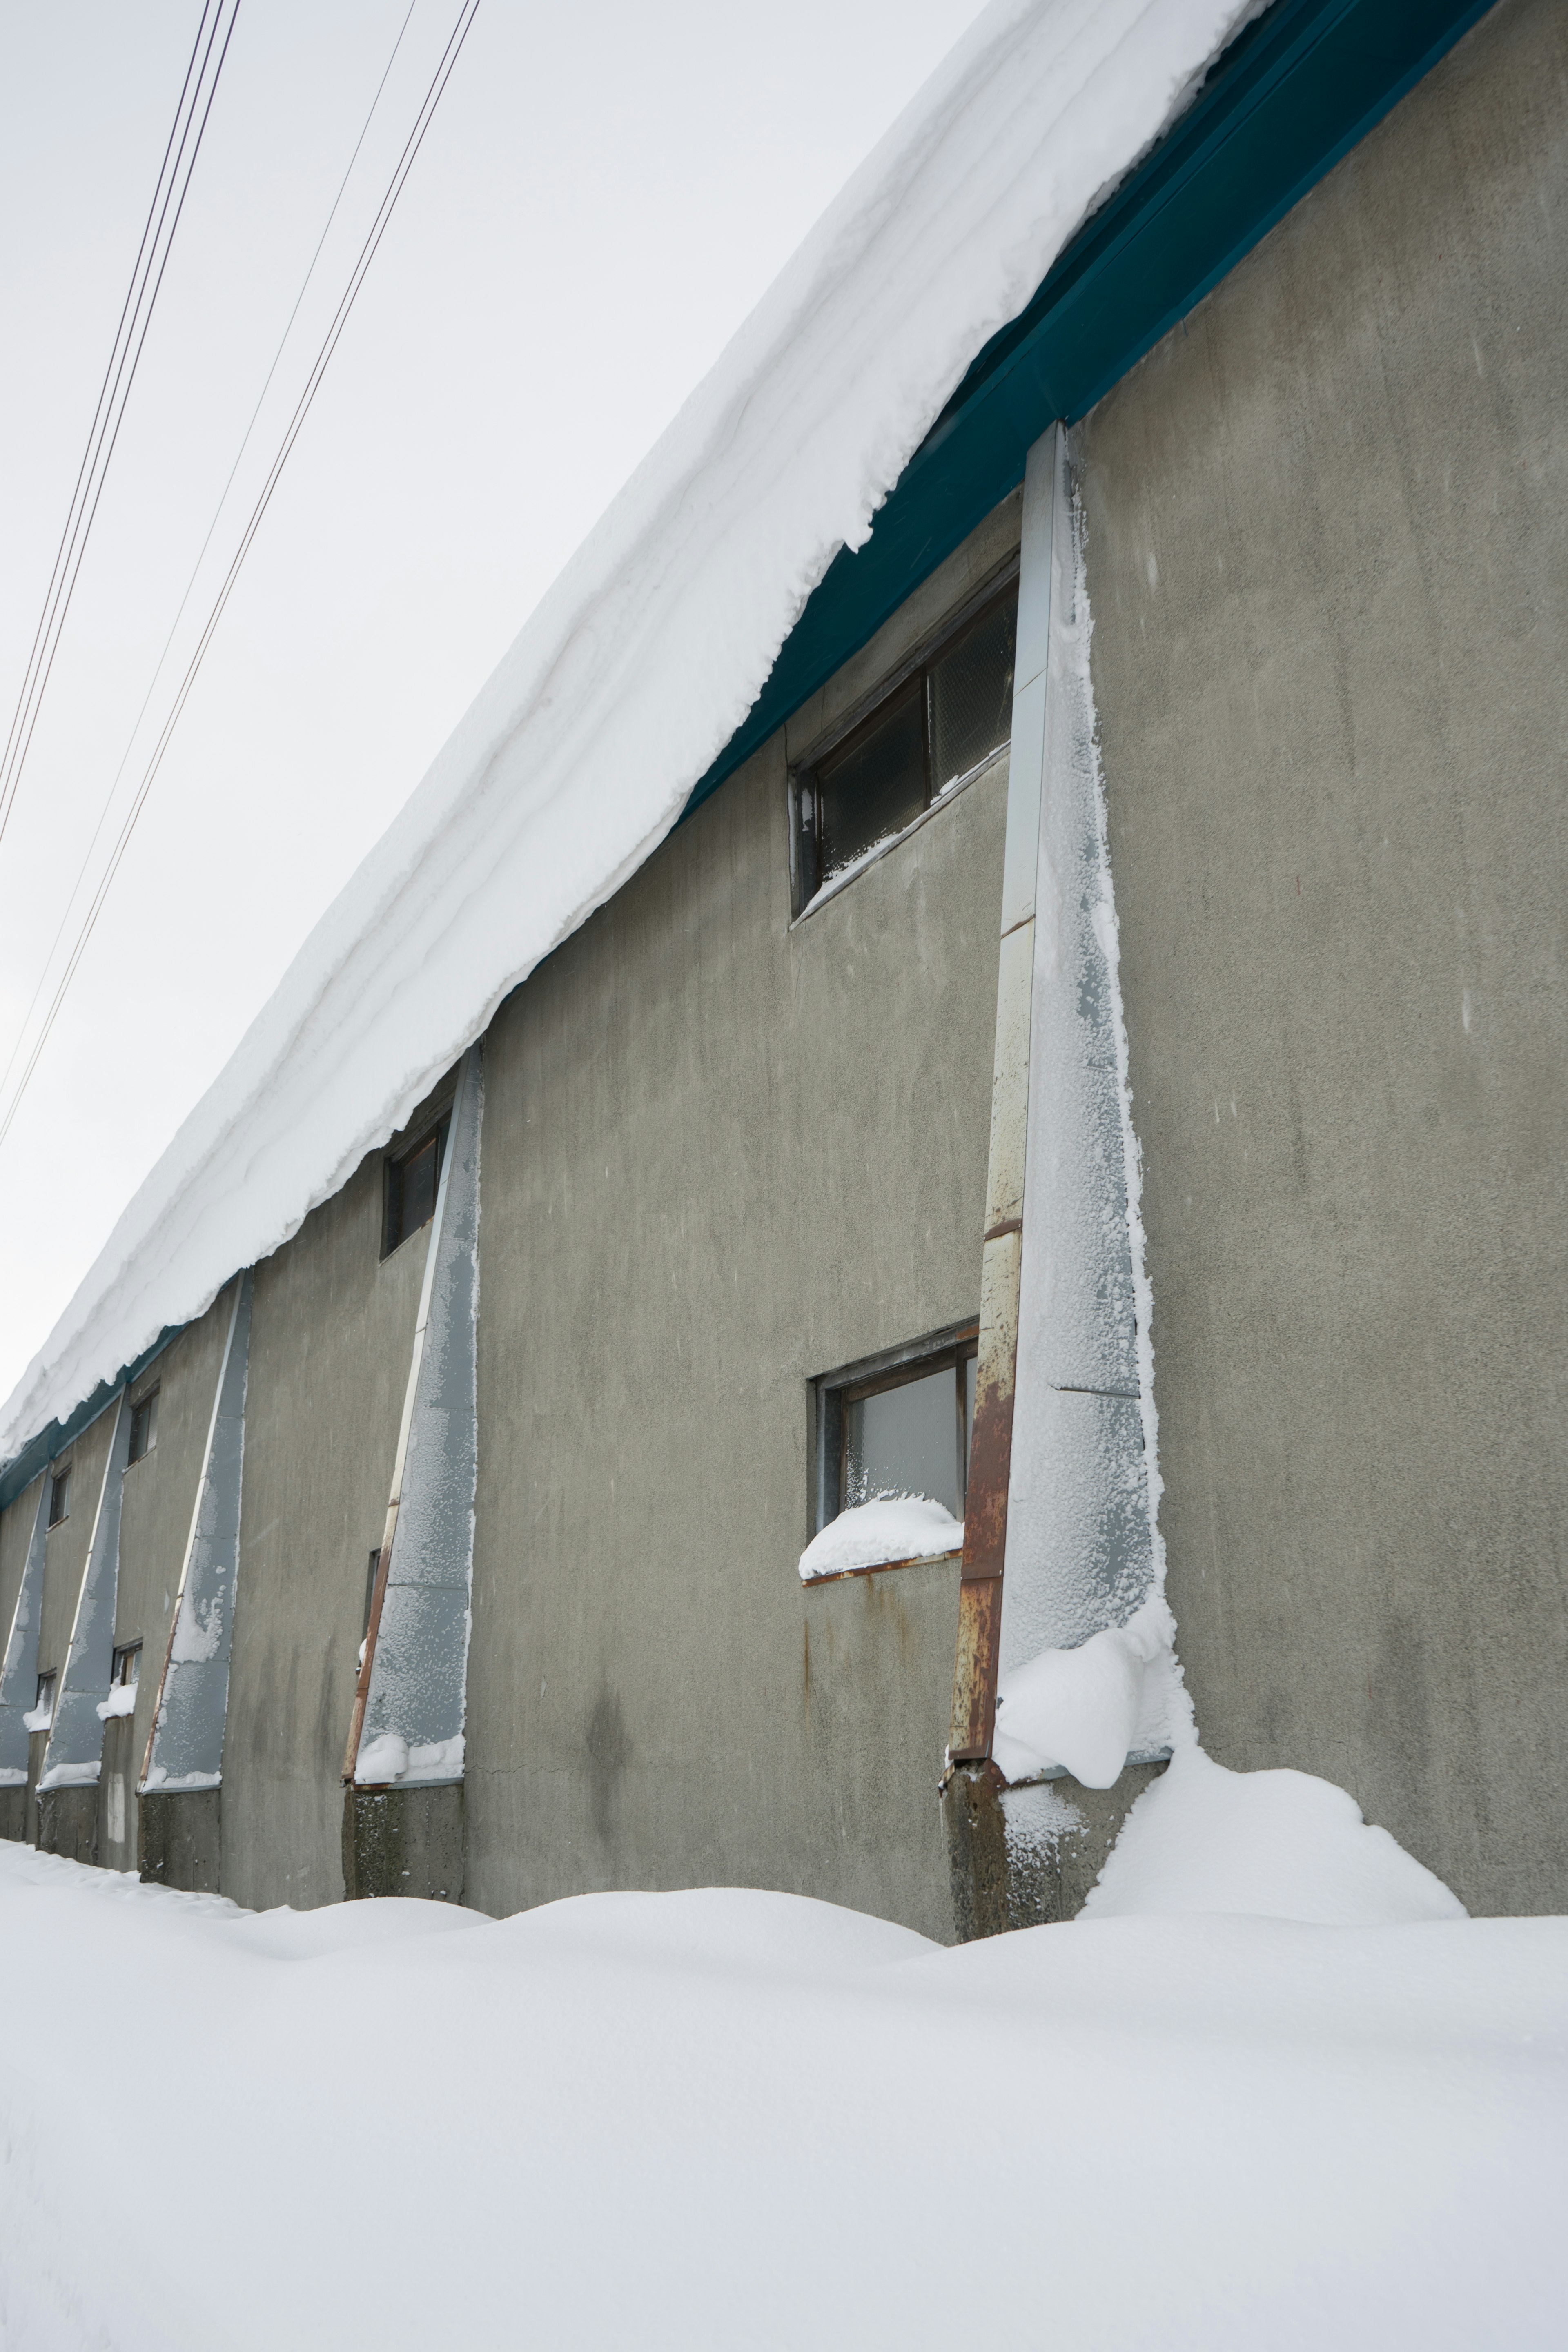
(127, 1665)
(936, 728)
(897, 1424)
(60, 1496)
(143, 1426)
(412, 1179)
(44, 1701)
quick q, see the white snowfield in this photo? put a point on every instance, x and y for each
(635, 669)
(730, 2118)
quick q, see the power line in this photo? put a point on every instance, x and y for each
(200, 556)
(443, 73)
(197, 94)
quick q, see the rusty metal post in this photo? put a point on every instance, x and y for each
(991, 1453)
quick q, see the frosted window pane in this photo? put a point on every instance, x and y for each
(904, 1441)
(971, 696)
(875, 788)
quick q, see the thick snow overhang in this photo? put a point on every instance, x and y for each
(1295, 91)
(1292, 93)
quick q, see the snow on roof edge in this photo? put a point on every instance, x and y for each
(576, 757)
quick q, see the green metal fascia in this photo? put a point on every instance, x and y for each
(18, 1474)
(1293, 93)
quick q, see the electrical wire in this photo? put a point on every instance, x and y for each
(195, 569)
(131, 335)
(443, 73)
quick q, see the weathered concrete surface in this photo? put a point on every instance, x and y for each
(17, 1816)
(180, 1840)
(722, 1155)
(1009, 1868)
(1329, 564)
(157, 1495)
(63, 1563)
(403, 1841)
(332, 1331)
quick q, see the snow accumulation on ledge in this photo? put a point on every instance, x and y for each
(642, 660)
(879, 1534)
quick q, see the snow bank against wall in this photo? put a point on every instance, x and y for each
(725, 2118)
(642, 660)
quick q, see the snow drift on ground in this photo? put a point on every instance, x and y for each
(639, 663)
(729, 2118)
(1285, 1845)
(871, 1535)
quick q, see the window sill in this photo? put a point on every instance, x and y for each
(874, 857)
(882, 1568)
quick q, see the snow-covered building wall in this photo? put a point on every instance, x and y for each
(739, 1070)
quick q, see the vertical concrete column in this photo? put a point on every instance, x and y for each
(68, 1782)
(403, 1767)
(178, 1841)
(991, 1445)
(19, 1672)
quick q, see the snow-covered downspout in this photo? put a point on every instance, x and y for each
(185, 1746)
(19, 1672)
(1064, 1658)
(1086, 1675)
(412, 1698)
(74, 1755)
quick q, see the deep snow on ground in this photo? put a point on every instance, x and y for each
(729, 2118)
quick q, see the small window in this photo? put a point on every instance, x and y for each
(43, 1713)
(938, 728)
(370, 1592)
(144, 1425)
(127, 1665)
(899, 1424)
(60, 1496)
(411, 1183)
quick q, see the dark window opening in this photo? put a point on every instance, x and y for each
(899, 1424)
(411, 1185)
(937, 727)
(369, 1591)
(127, 1665)
(144, 1425)
(44, 1702)
(60, 1496)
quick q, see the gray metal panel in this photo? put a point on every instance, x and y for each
(75, 1751)
(419, 1661)
(185, 1749)
(20, 1673)
(1079, 1537)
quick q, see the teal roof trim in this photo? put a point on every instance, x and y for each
(19, 1473)
(1293, 93)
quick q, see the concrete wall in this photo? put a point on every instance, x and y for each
(332, 1331)
(157, 1499)
(1328, 549)
(16, 1535)
(721, 1155)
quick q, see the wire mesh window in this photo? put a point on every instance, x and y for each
(144, 1426)
(897, 1425)
(412, 1181)
(60, 1496)
(938, 728)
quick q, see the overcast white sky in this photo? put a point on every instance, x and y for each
(605, 191)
